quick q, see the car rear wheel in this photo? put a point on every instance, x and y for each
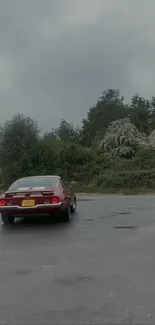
(7, 220)
(66, 215)
(74, 205)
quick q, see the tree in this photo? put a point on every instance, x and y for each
(18, 137)
(122, 139)
(109, 107)
(142, 113)
(66, 132)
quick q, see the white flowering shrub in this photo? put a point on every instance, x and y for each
(122, 138)
(151, 139)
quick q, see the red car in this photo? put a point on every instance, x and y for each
(37, 195)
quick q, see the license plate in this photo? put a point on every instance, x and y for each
(28, 203)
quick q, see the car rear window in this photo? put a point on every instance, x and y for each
(35, 182)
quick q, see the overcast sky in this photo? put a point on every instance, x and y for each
(58, 56)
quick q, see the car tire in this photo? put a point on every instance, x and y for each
(74, 206)
(7, 220)
(66, 215)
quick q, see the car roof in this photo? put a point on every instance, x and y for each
(40, 176)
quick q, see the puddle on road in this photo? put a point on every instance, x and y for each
(72, 280)
(115, 214)
(124, 213)
(125, 227)
(23, 272)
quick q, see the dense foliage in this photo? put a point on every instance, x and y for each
(113, 150)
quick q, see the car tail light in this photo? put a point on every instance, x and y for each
(2, 203)
(55, 200)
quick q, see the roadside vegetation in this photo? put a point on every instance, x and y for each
(112, 151)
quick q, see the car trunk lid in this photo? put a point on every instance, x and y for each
(30, 191)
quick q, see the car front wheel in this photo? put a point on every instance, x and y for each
(7, 220)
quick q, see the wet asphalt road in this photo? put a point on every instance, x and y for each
(89, 271)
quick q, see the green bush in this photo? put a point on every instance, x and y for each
(127, 179)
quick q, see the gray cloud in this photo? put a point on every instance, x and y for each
(57, 56)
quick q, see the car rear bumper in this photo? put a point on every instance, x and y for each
(40, 209)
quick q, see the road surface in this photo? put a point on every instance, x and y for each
(100, 269)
